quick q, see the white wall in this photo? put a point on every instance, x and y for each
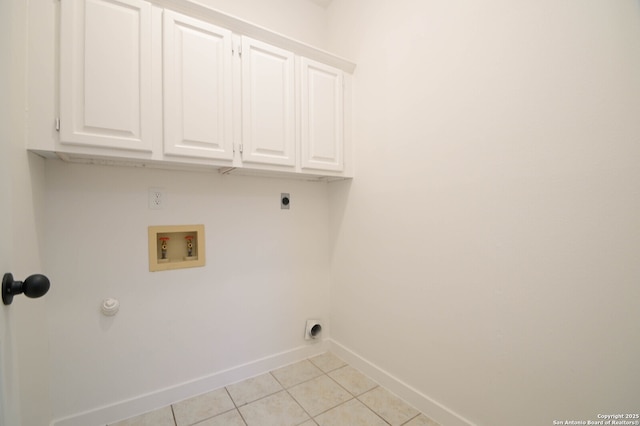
(266, 272)
(9, 403)
(299, 19)
(486, 253)
(24, 380)
(267, 269)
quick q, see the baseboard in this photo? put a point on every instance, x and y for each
(152, 401)
(420, 401)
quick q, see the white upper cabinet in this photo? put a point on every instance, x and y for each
(322, 116)
(268, 104)
(197, 88)
(174, 83)
(105, 66)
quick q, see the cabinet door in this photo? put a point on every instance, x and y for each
(268, 102)
(322, 119)
(105, 66)
(197, 88)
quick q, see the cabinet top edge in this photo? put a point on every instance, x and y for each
(196, 9)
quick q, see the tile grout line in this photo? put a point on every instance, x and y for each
(411, 419)
(299, 405)
(215, 415)
(326, 371)
(236, 406)
(356, 397)
(257, 399)
(276, 379)
(283, 389)
(173, 413)
(329, 409)
(341, 387)
(371, 409)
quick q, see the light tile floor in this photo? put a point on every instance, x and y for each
(322, 390)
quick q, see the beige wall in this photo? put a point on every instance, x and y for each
(486, 253)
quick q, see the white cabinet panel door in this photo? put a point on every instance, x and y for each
(197, 88)
(322, 116)
(268, 104)
(105, 65)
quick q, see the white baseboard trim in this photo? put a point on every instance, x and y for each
(152, 401)
(420, 401)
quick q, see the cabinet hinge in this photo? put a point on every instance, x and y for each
(240, 148)
(240, 50)
(57, 124)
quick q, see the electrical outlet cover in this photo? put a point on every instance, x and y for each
(157, 198)
(285, 200)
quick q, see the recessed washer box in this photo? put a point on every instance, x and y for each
(176, 247)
